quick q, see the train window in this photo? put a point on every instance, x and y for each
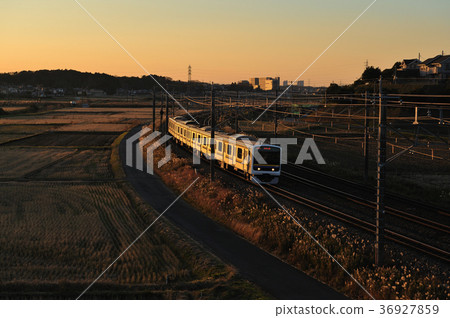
(270, 156)
(198, 139)
(239, 153)
(230, 150)
(219, 146)
(204, 141)
(193, 137)
(178, 129)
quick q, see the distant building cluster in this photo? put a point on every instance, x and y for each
(293, 83)
(30, 90)
(434, 69)
(265, 83)
(44, 92)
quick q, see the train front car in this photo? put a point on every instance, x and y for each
(266, 164)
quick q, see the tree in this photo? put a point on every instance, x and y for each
(371, 73)
(390, 72)
(240, 87)
(336, 89)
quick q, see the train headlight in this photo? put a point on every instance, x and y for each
(259, 169)
(273, 169)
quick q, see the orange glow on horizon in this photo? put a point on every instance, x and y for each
(224, 42)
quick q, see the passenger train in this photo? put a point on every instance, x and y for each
(260, 163)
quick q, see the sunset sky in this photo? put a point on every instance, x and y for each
(224, 41)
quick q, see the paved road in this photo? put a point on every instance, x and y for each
(274, 276)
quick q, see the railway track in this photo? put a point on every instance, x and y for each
(361, 224)
(368, 189)
(370, 204)
(356, 222)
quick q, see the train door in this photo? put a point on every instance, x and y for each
(246, 162)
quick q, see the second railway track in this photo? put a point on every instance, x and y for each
(364, 202)
(390, 235)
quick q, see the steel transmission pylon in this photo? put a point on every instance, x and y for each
(189, 73)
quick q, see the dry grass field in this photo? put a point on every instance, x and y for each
(26, 129)
(10, 109)
(88, 127)
(70, 233)
(67, 139)
(9, 137)
(82, 165)
(17, 162)
(65, 215)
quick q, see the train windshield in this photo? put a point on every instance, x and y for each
(270, 155)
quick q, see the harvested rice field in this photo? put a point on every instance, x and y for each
(65, 216)
(67, 139)
(87, 127)
(10, 137)
(26, 129)
(82, 165)
(18, 162)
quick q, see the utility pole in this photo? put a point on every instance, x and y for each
(154, 108)
(161, 113)
(212, 141)
(173, 107)
(276, 114)
(167, 113)
(381, 174)
(236, 123)
(366, 139)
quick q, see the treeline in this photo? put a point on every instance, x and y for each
(70, 79)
